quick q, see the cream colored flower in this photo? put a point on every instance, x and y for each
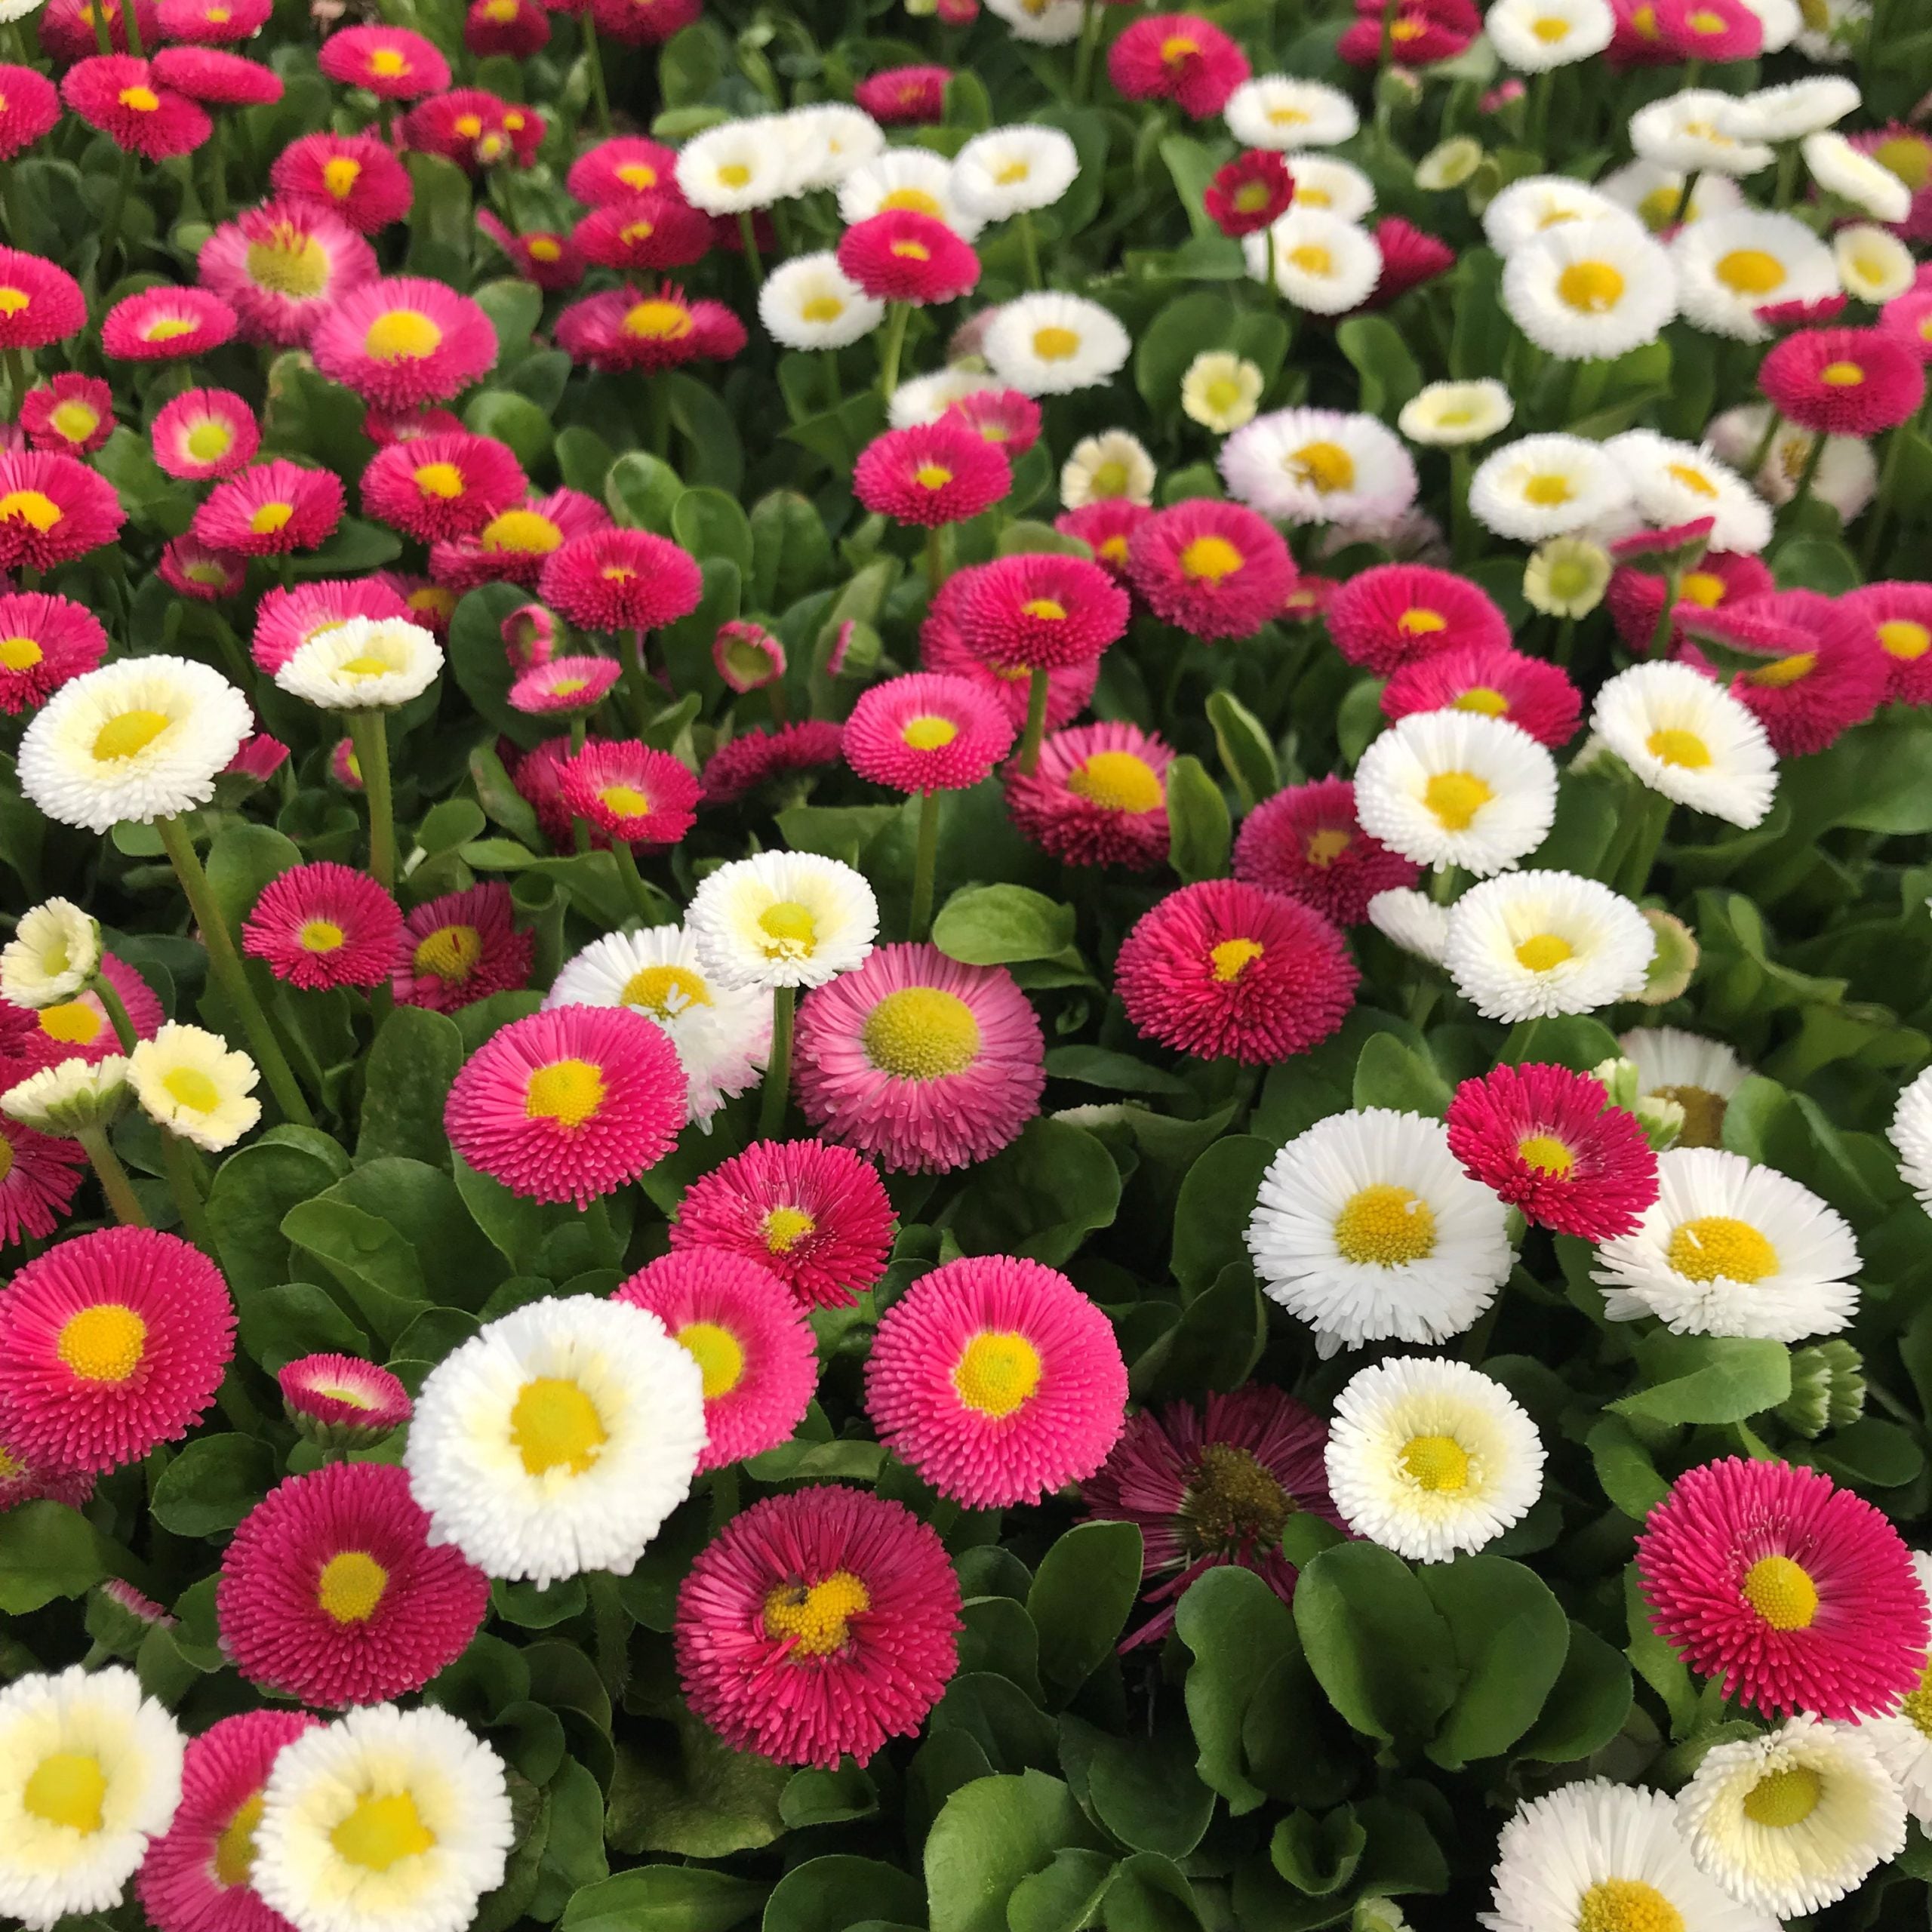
(192, 1083)
(1220, 390)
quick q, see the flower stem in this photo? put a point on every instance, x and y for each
(1881, 508)
(184, 1182)
(134, 46)
(778, 1068)
(747, 234)
(593, 61)
(1787, 183)
(1802, 495)
(1029, 249)
(10, 198)
(1762, 454)
(1036, 722)
(1666, 617)
(368, 731)
(1092, 15)
(935, 559)
(113, 1177)
(1462, 470)
(110, 229)
(897, 314)
(102, 987)
(217, 172)
(1689, 188)
(635, 888)
(925, 863)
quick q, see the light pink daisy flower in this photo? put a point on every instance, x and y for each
(274, 506)
(404, 340)
(566, 686)
(283, 266)
(204, 433)
(53, 509)
(197, 570)
(461, 948)
(39, 1178)
(324, 924)
(926, 732)
(69, 412)
(166, 324)
(1098, 797)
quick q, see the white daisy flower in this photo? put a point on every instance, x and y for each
(1009, 170)
(90, 1771)
(1049, 343)
(1595, 1857)
(1685, 736)
(1869, 185)
(723, 1036)
(1537, 204)
(1525, 946)
(1547, 486)
(1875, 265)
(387, 1820)
(1113, 464)
(1534, 36)
(55, 951)
(1452, 415)
(1319, 465)
(1219, 391)
(1334, 186)
(1798, 108)
(192, 1083)
(829, 140)
(1841, 33)
(1043, 23)
(557, 1439)
(1411, 920)
(1793, 1819)
(1587, 290)
(926, 398)
(140, 739)
(739, 166)
(1457, 788)
(782, 919)
(1903, 1738)
(1729, 1247)
(1322, 263)
(1731, 266)
(1653, 194)
(1699, 1074)
(63, 1099)
(1427, 1457)
(363, 664)
(1449, 163)
(1677, 483)
(1911, 1135)
(1691, 131)
(915, 179)
(1783, 21)
(809, 302)
(1366, 1228)
(1279, 111)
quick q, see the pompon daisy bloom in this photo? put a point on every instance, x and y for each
(1224, 970)
(1730, 266)
(1322, 263)
(1037, 611)
(626, 164)
(1040, 23)
(404, 340)
(735, 168)
(747, 1333)
(1846, 476)
(546, 257)
(204, 433)
(139, 739)
(1452, 415)
(340, 1402)
(438, 487)
(40, 304)
(754, 759)
(55, 951)
(1365, 1228)
(165, 325)
(941, 472)
(926, 732)
(1009, 170)
(354, 176)
(818, 1625)
(568, 687)
(1547, 486)
(512, 548)
(1813, 673)
(943, 647)
(287, 619)
(1333, 187)
(1106, 527)
(461, 948)
(1097, 797)
(93, 1773)
(53, 509)
(809, 302)
(628, 792)
(1533, 36)
(1589, 289)
(45, 641)
(29, 108)
(1793, 1593)
(633, 328)
(39, 1176)
(1179, 57)
(1387, 615)
(274, 506)
(1876, 267)
(829, 138)
(70, 412)
(1675, 483)
(191, 1083)
(1685, 736)
(1002, 417)
(1902, 1737)
(1843, 382)
(1597, 1854)
(1526, 945)
(910, 178)
(1527, 692)
(1319, 465)
(1282, 111)
(1699, 1074)
(1113, 466)
(1213, 570)
(569, 1104)
(620, 579)
(1305, 842)
(1896, 617)
(114, 1342)
(391, 62)
(474, 129)
(363, 665)
(1730, 1247)
(1690, 130)
(558, 1439)
(1537, 205)
(517, 28)
(997, 1380)
(1457, 788)
(122, 95)
(385, 1817)
(901, 255)
(324, 924)
(1220, 390)
(281, 266)
(1049, 343)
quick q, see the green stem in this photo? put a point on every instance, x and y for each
(593, 59)
(1268, 263)
(110, 229)
(1092, 16)
(1651, 814)
(925, 863)
(778, 1068)
(1036, 722)
(657, 405)
(102, 987)
(1667, 616)
(897, 314)
(113, 1177)
(935, 559)
(1689, 188)
(610, 1622)
(134, 46)
(184, 1183)
(1786, 191)
(225, 964)
(636, 678)
(747, 234)
(10, 199)
(639, 894)
(369, 732)
(1542, 86)
(1761, 454)
(1888, 478)
(103, 37)
(1802, 494)
(1029, 249)
(1566, 641)
(835, 391)
(724, 1486)
(1462, 469)
(217, 172)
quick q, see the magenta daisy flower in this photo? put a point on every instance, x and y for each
(933, 474)
(39, 1178)
(644, 233)
(53, 509)
(645, 331)
(217, 79)
(1897, 617)
(196, 1876)
(1212, 1489)
(110, 1344)
(1546, 1140)
(195, 569)
(30, 109)
(1098, 797)
(39, 304)
(353, 175)
(44, 641)
(942, 647)
(628, 791)
(816, 1215)
(926, 732)
(78, 1029)
(1635, 598)
(745, 1329)
(461, 948)
(429, 604)
(620, 579)
(287, 619)
(474, 129)
(1532, 694)
(166, 324)
(23, 1481)
(903, 255)
(1213, 570)
(643, 23)
(69, 412)
(517, 28)
(565, 686)
(927, 1064)
(815, 1625)
(439, 487)
(258, 758)
(1794, 1594)
(324, 924)
(201, 434)
(70, 30)
(1179, 57)
(404, 340)
(896, 95)
(391, 62)
(569, 1104)
(1393, 613)
(530, 637)
(996, 1380)
(283, 266)
(514, 547)
(626, 164)
(332, 1593)
(1843, 382)
(544, 255)
(1106, 527)
(270, 507)
(538, 776)
(212, 22)
(746, 655)
(1005, 417)
(1306, 843)
(1037, 611)
(754, 759)
(339, 1402)
(122, 95)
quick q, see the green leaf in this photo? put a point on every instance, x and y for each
(240, 862)
(791, 553)
(664, 1898)
(1709, 1378)
(1318, 1855)
(998, 925)
(1192, 167)
(1390, 375)
(511, 418)
(1042, 1196)
(1146, 1791)
(1586, 1706)
(1653, 1659)
(416, 1054)
(815, 1796)
(990, 1835)
(1211, 1213)
(1390, 1074)
(1198, 829)
(1237, 1629)
(1246, 752)
(282, 1324)
(1066, 1897)
(211, 1483)
(829, 1894)
(711, 525)
(1214, 1345)
(1151, 1893)
(1375, 1641)
(1510, 1638)
(439, 220)
(1624, 1469)
(1081, 1595)
(1191, 323)
(254, 1188)
(48, 1551)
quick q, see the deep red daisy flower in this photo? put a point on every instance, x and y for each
(1392, 613)
(1409, 258)
(1250, 193)
(272, 507)
(70, 412)
(624, 790)
(544, 255)
(70, 29)
(1305, 842)
(899, 96)
(39, 304)
(474, 129)
(167, 325)
(622, 579)
(1179, 57)
(1223, 970)
(643, 23)
(29, 108)
(404, 340)
(1635, 597)
(635, 329)
(517, 28)
(1038, 611)
(942, 647)
(324, 924)
(1097, 797)
(1898, 618)
(53, 508)
(1214, 570)
(625, 166)
(1005, 417)
(44, 641)
(514, 547)
(209, 22)
(215, 79)
(933, 474)
(901, 255)
(353, 175)
(462, 947)
(1532, 693)
(926, 732)
(391, 62)
(1106, 527)
(654, 230)
(122, 95)
(1414, 40)
(39, 1176)
(1843, 382)
(753, 759)
(438, 487)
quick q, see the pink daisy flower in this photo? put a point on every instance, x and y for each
(942, 647)
(1843, 382)
(816, 1215)
(404, 340)
(1909, 317)
(474, 129)
(461, 948)
(44, 641)
(898, 96)
(1393, 613)
(166, 324)
(753, 759)
(353, 175)
(110, 1344)
(39, 1178)
(1794, 1594)
(1098, 797)
(1896, 617)
(324, 924)
(627, 790)
(645, 331)
(69, 29)
(655, 230)
(1038, 611)
(195, 570)
(1211, 569)
(1223, 970)
(287, 619)
(569, 686)
(215, 79)
(122, 95)
(815, 1625)
(544, 255)
(1545, 1140)
(53, 509)
(212, 22)
(281, 266)
(1710, 29)
(901, 255)
(345, 772)
(429, 604)
(78, 1029)
(340, 1402)
(1531, 693)
(643, 23)
(1179, 57)
(391, 62)
(1005, 417)
(538, 776)
(927, 1064)
(29, 108)
(1106, 527)
(1635, 598)
(1205, 1489)
(996, 1380)
(1416, 38)
(258, 758)
(746, 655)
(513, 548)
(620, 579)
(1252, 192)
(438, 487)
(1409, 258)
(39, 304)
(205, 433)
(935, 473)
(745, 1329)
(625, 166)
(517, 28)
(926, 732)
(569, 1104)
(530, 637)
(69, 412)
(1306, 843)
(274, 506)
(22, 1480)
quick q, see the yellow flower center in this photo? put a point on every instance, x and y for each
(30, 506)
(350, 1586)
(623, 800)
(287, 262)
(234, 1847)
(67, 1788)
(1048, 609)
(1325, 846)
(1703, 588)
(320, 936)
(73, 1022)
(1287, 117)
(402, 335)
(665, 992)
(1683, 749)
(1841, 375)
(23, 654)
(567, 1091)
(1326, 466)
(1782, 1592)
(1455, 798)
(921, 1033)
(13, 300)
(1781, 1799)
(1899, 637)
(1705, 22)
(1210, 558)
(469, 125)
(102, 1342)
(720, 1357)
(1311, 258)
(929, 734)
(1384, 1226)
(997, 1371)
(1546, 1154)
(790, 927)
(1548, 490)
(1178, 47)
(1695, 481)
(1542, 952)
(1484, 699)
(1056, 345)
(734, 174)
(1715, 1245)
(815, 1619)
(1783, 671)
(1011, 173)
(143, 100)
(193, 1089)
(387, 63)
(656, 320)
(1749, 271)
(1117, 782)
(209, 440)
(1592, 288)
(1908, 157)
(439, 479)
(339, 176)
(910, 250)
(786, 1227)
(449, 953)
(932, 476)
(1232, 957)
(916, 199)
(1626, 1905)
(529, 531)
(545, 247)
(821, 308)
(1223, 394)
(382, 1831)
(1550, 29)
(554, 1425)
(637, 175)
(76, 421)
(1419, 621)
(1108, 479)
(270, 518)
(1917, 1708)
(1437, 1463)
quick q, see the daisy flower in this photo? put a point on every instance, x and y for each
(809, 302)
(620, 579)
(39, 1176)
(1039, 612)
(1529, 945)
(571, 686)
(1213, 570)
(1284, 111)
(71, 412)
(558, 1439)
(404, 340)
(643, 23)
(281, 266)
(940, 473)
(926, 732)
(1537, 205)
(1106, 527)
(122, 95)
(1179, 57)
(1791, 1593)
(1534, 36)
(391, 62)
(1365, 1228)
(269, 509)
(1691, 130)
(1675, 483)
(1902, 1738)
(1730, 266)
(1318, 466)
(70, 1094)
(1453, 415)
(735, 168)
(1334, 186)
(1846, 476)
(632, 328)
(53, 509)
(1458, 788)
(914, 179)
(55, 951)
(29, 108)
(1654, 195)
(40, 304)
(1049, 343)
(1012, 170)
(1224, 970)
(512, 548)
(829, 140)
(1812, 672)
(46, 642)
(191, 1083)
(516, 28)
(1895, 617)
(901, 255)
(1876, 267)
(1306, 843)
(474, 129)
(1533, 695)
(339, 1402)
(354, 176)
(1699, 1074)
(285, 620)
(1322, 263)
(1590, 290)
(1040, 23)
(656, 230)
(817, 1624)
(1547, 486)
(1387, 615)
(1684, 735)
(1098, 797)
(1112, 467)
(627, 792)
(996, 1380)
(757, 758)
(363, 665)
(438, 487)
(1843, 382)
(324, 924)
(1004, 417)
(201, 434)
(461, 948)
(1220, 390)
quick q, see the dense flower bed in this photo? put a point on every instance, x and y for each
(965, 969)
